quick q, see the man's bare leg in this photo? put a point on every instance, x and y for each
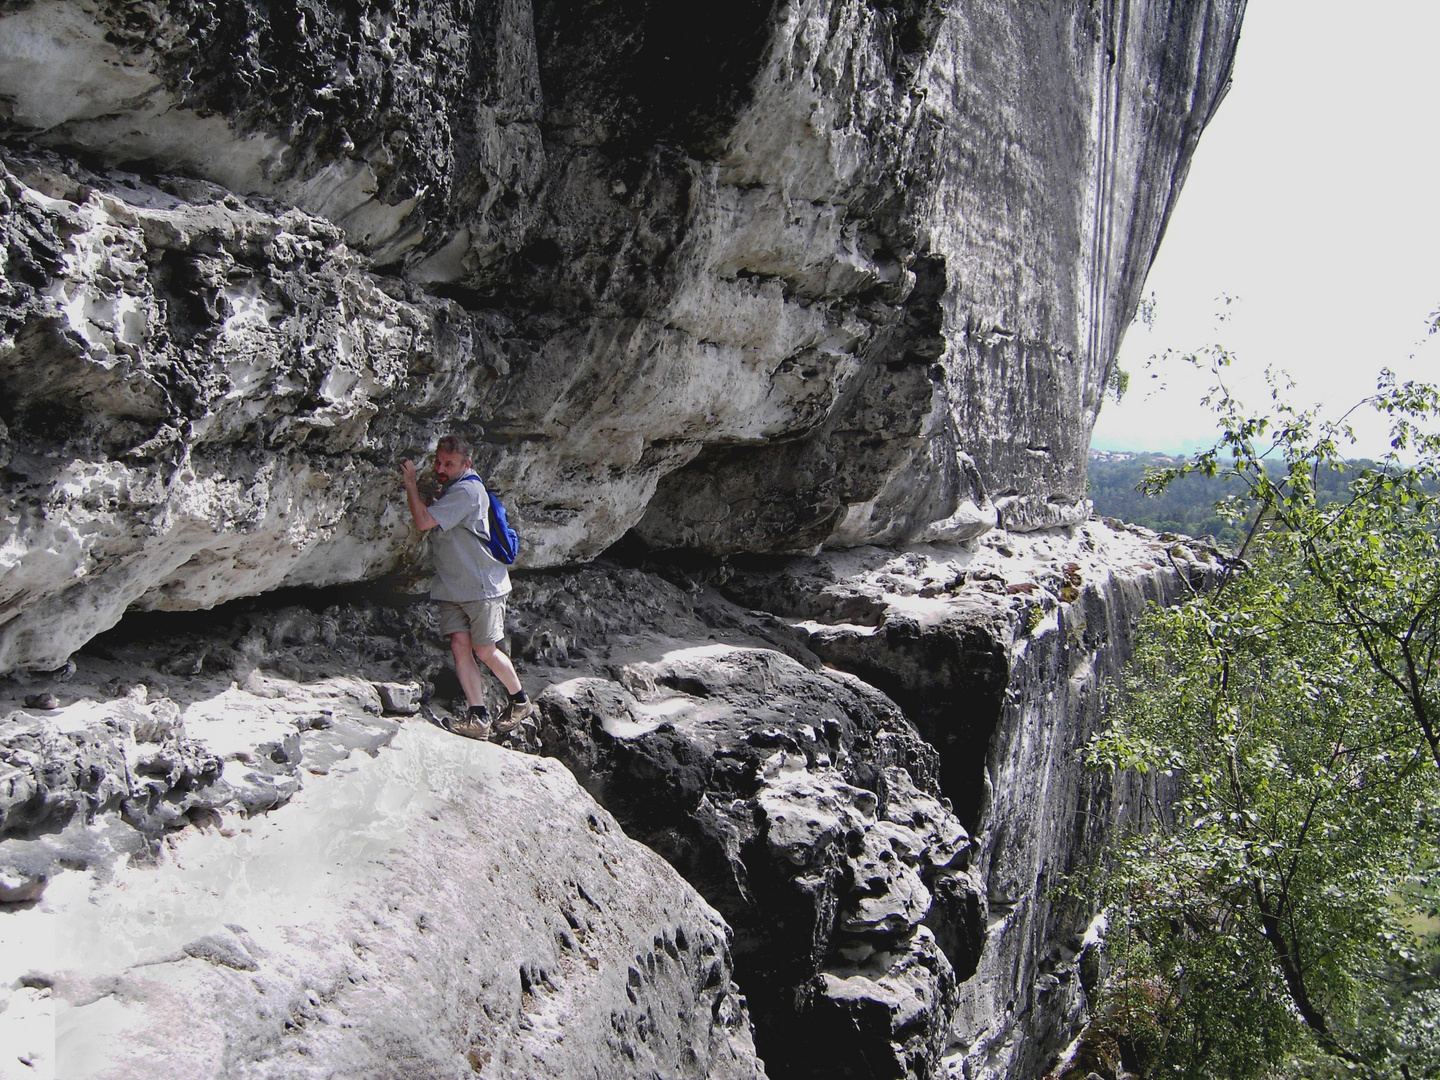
(490, 655)
(466, 670)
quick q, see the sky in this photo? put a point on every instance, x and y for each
(1312, 203)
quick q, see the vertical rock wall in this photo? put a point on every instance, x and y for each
(1003, 253)
(1000, 653)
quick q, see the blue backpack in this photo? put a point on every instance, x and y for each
(503, 542)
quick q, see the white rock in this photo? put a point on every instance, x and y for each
(447, 908)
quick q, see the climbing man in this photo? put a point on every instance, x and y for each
(470, 583)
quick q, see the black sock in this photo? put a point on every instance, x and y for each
(519, 697)
(479, 712)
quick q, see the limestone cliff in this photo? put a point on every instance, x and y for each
(782, 330)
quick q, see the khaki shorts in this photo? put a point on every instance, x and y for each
(483, 620)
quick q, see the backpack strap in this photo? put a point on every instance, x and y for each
(503, 542)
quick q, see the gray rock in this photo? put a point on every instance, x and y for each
(400, 699)
(19, 887)
(871, 921)
(891, 997)
(501, 924)
(820, 275)
(825, 274)
(797, 800)
(106, 776)
(222, 949)
(805, 840)
(998, 653)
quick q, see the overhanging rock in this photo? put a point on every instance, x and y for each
(818, 272)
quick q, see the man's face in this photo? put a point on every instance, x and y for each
(450, 466)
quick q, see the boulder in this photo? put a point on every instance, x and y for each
(796, 799)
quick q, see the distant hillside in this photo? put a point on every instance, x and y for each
(1188, 506)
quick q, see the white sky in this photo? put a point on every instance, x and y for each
(1313, 201)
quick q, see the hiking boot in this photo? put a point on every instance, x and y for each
(473, 725)
(471, 729)
(515, 713)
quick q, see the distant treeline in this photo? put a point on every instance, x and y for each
(1188, 505)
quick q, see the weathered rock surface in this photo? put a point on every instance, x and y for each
(158, 726)
(744, 766)
(821, 272)
(447, 909)
(152, 735)
(877, 931)
(769, 787)
(143, 767)
(799, 801)
(813, 274)
(999, 652)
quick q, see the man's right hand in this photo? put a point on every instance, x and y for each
(418, 509)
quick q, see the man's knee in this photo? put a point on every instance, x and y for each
(485, 650)
(460, 644)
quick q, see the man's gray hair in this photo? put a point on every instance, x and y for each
(455, 444)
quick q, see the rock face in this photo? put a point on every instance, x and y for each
(892, 866)
(436, 907)
(800, 802)
(602, 964)
(821, 273)
(1000, 654)
(149, 738)
(782, 336)
(897, 912)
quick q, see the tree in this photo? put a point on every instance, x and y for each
(1287, 724)
(1375, 554)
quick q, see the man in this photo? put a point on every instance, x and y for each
(470, 583)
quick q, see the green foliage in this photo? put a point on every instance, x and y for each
(1258, 902)
(1117, 382)
(1376, 553)
(1264, 915)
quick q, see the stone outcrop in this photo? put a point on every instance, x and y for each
(798, 800)
(782, 334)
(822, 273)
(892, 863)
(133, 758)
(896, 910)
(524, 934)
(256, 898)
(1001, 654)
